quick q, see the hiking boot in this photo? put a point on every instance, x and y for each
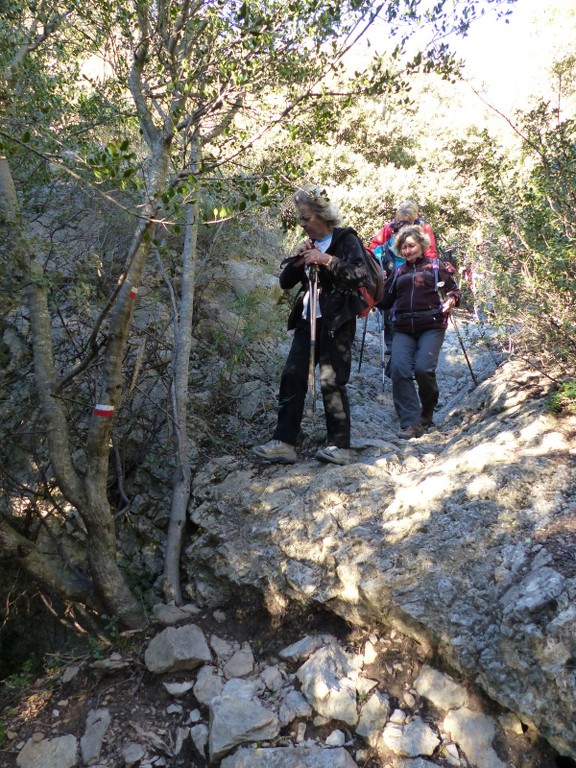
(333, 455)
(409, 432)
(276, 451)
(426, 419)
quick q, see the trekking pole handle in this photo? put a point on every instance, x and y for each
(448, 302)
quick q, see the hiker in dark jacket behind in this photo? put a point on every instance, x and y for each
(338, 255)
(420, 317)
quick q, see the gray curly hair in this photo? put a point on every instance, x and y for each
(417, 233)
(316, 199)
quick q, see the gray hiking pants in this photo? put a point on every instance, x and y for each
(415, 356)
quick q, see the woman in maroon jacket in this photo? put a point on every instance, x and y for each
(420, 316)
(384, 247)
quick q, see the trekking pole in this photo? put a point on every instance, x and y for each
(363, 342)
(439, 286)
(312, 308)
(474, 379)
(381, 329)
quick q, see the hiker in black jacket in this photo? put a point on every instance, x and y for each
(337, 254)
(420, 317)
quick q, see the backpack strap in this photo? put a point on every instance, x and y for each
(396, 273)
(436, 267)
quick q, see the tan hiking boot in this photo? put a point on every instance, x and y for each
(276, 451)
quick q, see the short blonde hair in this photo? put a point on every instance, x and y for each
(417, 233)
(316, 199)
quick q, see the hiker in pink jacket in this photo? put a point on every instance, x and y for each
(406, 213)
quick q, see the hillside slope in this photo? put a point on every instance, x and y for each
(463, 539)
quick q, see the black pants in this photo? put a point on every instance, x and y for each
(334, 357)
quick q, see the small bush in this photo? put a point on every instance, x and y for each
(563, 398)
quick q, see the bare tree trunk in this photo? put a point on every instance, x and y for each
(49, 572)
(182, 474)
(101, 522)
(87, 494)
(8, 198)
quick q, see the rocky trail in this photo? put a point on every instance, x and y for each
(410, 610)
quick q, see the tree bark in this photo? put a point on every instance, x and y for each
(51, 573)
(87, 494)
(182, 474)
(8, 197)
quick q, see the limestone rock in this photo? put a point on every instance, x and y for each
(474, 733)
(176, 649)
(336, 739)
(440, 689)
(303, 649)
(199, 734)
(272, 678)
(179, 689)
(240, 664)
(208, 685)
(326, 685)
(59, 752)
(223, 648)
(297, 757)
(234, 721)
(97, 723)
(451, 548)
(373, 717)
(170, 614)
(293, 706)
(132, 754)
(412, 739)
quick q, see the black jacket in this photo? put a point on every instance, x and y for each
(412, 294)
(339, 282)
